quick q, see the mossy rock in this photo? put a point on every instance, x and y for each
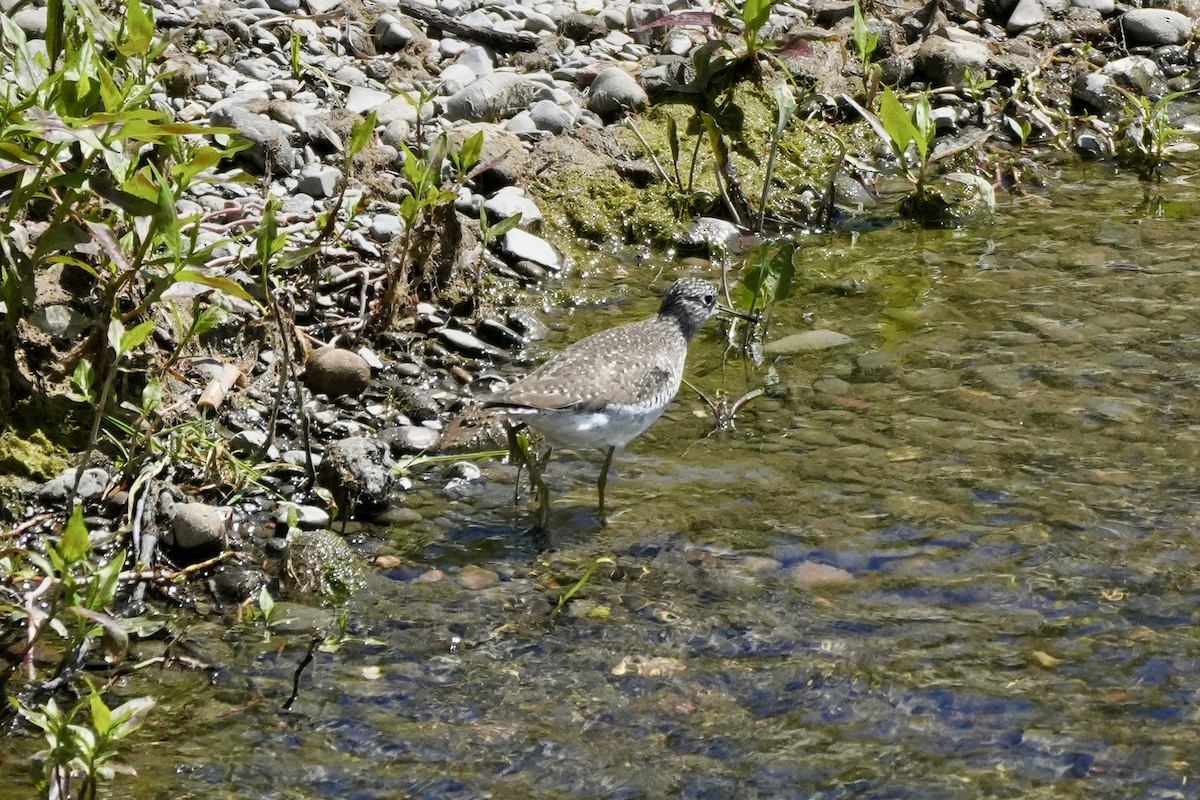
(34, 457)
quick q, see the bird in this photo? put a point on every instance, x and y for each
(606, 389)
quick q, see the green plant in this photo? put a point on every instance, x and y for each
(747, 21)
(785, 109)
(122, 343)
(100, 173)
(866, 41)
(427, 211)
(63, 597)
(1145, 134)
(909, 133)
(582, 582)
(294, 50)
(83, 746)
(767, 277)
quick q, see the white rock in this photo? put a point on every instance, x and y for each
(456, 77)
(522, 246)
(615, 91)
(509, 201)
(1156, 26)
(360, 99)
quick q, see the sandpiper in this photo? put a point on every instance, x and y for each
(605, 390)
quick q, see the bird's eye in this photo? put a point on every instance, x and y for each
(709, 300)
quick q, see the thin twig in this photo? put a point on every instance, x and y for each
(304, 662)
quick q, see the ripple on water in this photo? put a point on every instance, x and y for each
(1003, 461)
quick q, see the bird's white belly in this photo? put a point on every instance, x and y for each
(616, 426)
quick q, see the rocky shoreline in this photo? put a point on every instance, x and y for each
(550, 86)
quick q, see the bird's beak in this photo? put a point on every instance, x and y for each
(739, 314)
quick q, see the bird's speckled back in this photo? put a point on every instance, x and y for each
(636, 365)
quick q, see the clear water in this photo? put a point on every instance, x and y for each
(1002, 468)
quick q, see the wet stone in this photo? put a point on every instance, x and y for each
(91, 485)
(1115, 410)
(358, 470)
(499, 334)
(520, 245)
(234, 584)
(875, 365)
(999, 379)
(806, 341)
(475, 578)
(615, 92)
(400, 515)
(334, 372)
(831, 386)
(410, 439)
(248, 441)
(416, 403)
(925, 380)
(807, 575)
(469, 344)
(291, 617)
(306, 517)
(198, 526)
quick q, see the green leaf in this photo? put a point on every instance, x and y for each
(435, 154)
(139, 30)
(134, 338)
(201, 159)
(268, 234)
(116, 639)
(297, 64)
(897, 124)
(107, 240)
(769, 275)
(416, 171)
(923, 124)
(673, 141)
(152, 395)
(583, 580)
(503, 226)
(266, 603)
(74, 546)
(55, 25)
(471, 152)
(130, 715)
(102, 719)
(755, 14)
(83, 379)
(209, 318)
(360, 135)
(226, 285)
(785, 107)
(716, 140)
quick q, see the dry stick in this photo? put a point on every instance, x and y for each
(304, 662)
(145, 534)
(497, 40)
(158, 574)
(289, 375)
(35, 630)
(26, 525)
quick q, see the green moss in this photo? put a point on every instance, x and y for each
(600, 205)
(35, 457)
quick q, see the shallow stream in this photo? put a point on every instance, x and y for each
(956, 557)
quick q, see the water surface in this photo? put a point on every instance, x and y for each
(997, 481)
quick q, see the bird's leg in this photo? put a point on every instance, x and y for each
(516, 455)
(602, 482)
(541, 490)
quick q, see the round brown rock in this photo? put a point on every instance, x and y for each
(335, 372)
